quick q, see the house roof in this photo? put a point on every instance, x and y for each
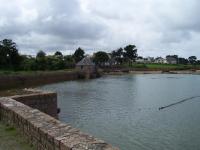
(159, 58)
(85, 62)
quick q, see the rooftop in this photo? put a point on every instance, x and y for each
(85, 62)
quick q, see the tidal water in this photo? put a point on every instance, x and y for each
(124, 110)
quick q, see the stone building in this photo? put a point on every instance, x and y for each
(86, 68)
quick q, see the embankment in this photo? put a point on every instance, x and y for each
(118, 71)
(34, 79)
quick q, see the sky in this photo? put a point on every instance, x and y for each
(156, 27)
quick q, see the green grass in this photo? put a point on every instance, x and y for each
(10, 72)
(163, 66)
(168, 66)
(10, 139)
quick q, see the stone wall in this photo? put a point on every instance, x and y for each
(35, 79)
(45, 132)
(43, 101)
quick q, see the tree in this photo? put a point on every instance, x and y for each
(100, 58)
(78, 55)
(29, 63)
(9, 56)
(58, 54)
(198, 62)
(54, 63)
(40, 54)
(41, 60)
(69, 61)
(118, 55)
(58, 62)
(192, 59)
(3, 56)
(182, 61)
(130, 53)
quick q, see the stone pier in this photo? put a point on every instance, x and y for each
(44, 131)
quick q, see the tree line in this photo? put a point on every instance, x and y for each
(11, 59)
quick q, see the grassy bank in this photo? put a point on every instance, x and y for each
(162, 67)
(10, 139)
(26, 79)
(11, 72)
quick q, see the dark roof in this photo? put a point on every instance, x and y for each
(85, 62)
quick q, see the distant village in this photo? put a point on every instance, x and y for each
(169, 59)
(159, 60)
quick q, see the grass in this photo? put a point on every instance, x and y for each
(10, 139)
(169, 66)
(11, 72)
(163, 66)
(133, 66)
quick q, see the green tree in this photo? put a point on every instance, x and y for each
(9, 56)
(29, 63)
(100, 58)
(3, 57)
(130, 53)
(69, 61)
(182, 61)
(192, 59)
(58, 62)
(41, 54)
(41, 60)
(198, 62)
(54, 63)
(58, 54)
(78, 55)
(118, 55)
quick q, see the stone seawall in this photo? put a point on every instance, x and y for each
(43, 101)
(44, 131)
(35, 79)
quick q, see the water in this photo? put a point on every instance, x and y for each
(123, 110)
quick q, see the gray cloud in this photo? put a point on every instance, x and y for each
(48, 25)
(157, 27)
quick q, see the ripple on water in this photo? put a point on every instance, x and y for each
(123, 110)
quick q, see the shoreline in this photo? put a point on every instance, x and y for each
(20, 81)
(17, 81)
(197, 72)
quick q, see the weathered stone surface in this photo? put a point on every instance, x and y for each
(44, 131)
(43, 101)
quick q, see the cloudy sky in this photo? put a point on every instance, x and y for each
(156, 27)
